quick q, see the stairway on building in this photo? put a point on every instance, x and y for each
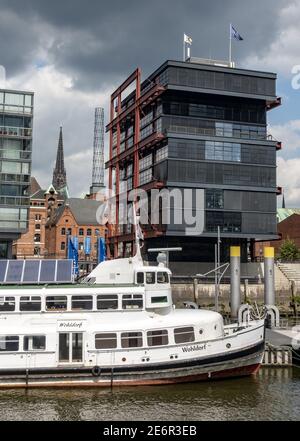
(290, 270)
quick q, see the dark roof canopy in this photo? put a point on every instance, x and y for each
(83, 210)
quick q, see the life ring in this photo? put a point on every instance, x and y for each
(96, 371)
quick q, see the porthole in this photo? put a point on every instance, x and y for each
(201, 331)
(123, 359)
(215, 327)
(228, 346)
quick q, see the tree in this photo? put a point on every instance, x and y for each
(289, 251)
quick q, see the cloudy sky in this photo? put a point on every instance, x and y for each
(73, 53)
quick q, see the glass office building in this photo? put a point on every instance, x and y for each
(201, 126)
(16, 115)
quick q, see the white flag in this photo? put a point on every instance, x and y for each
(187, 39)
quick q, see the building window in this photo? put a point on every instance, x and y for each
(38, 217)
(106, 341)
(37, 238)
(222, 151)
(89, 232)
(214, 198)
(81, 246)
(157, 338)
(81, 232)
(184, 335)
(37, 226)
(63, 246)
(161, 154)
(131, 340)
(146, 176)
(69, 231)
(37, 251)
(34, 343)
(63, 232)
(229, 222)
(145, 162)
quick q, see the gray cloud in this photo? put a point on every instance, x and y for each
(97, 43)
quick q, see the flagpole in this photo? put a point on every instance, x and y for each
(230, 40)
(183, 48)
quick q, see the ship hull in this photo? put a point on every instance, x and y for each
(240, 363)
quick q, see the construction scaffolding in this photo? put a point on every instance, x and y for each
(126, 111)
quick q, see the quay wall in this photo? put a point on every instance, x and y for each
(204, 295)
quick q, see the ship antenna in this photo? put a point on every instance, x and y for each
(139, 236)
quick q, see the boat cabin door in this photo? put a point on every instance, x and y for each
(70, 347)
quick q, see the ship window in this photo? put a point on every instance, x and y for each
(162, 277)
(157, 338)
(30, 303)
(34, 343)
(160, 299)
(108, 301)
(140, 278)
(131, 339)
(7, 303)
(184, 335)
(150, 278)
(106, 341)
(9, 343)
(132, 301)
(82, 302)
(57, 302)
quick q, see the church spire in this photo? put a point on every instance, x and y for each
(59, 174)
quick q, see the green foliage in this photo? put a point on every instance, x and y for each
(297, 300)
(289, 251)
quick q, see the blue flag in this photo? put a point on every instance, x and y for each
(234, 33)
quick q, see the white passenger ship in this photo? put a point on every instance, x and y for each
(118, 328)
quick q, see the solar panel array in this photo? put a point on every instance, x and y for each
(36, 271)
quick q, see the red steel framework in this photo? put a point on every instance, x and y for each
(118, 116)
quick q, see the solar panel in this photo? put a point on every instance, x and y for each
(48, 269)
(64, 270)
(3, 265)
(14, 271)
(31, 271)
(36, 271)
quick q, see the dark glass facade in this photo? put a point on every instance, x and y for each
(213, 126)
(16, 114)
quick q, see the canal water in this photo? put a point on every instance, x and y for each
(273, 394)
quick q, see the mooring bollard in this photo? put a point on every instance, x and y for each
(235, 288)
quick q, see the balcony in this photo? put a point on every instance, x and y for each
(15, 154)
(14, 200)
(19, 132)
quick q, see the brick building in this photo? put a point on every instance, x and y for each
(77, 218)
(32, 244)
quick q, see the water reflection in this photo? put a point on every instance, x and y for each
(274, 394)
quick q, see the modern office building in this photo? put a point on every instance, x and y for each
(16, 115)
(197, 125)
